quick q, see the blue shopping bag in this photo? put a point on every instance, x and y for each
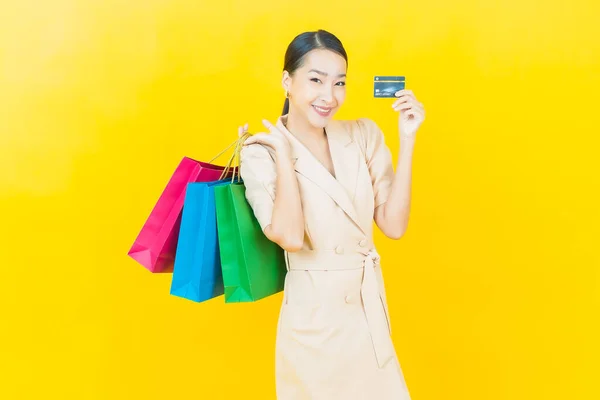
(197, 274)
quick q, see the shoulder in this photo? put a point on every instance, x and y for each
(256, 151)
(257, 162)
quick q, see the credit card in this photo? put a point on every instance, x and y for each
(387, 86)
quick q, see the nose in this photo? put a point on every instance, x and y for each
(327, 95)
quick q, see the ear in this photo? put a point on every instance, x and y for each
(286, 81)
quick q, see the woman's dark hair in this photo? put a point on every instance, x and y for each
(304, 43)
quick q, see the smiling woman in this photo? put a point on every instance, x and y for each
(315, 185)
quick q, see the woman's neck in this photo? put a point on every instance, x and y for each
(303, 130)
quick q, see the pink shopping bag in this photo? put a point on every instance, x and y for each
(155, 245)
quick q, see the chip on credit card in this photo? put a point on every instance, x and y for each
(387, 86)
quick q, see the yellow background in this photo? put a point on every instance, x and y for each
(494, 291)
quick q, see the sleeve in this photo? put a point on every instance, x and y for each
(378, 158)
(258, 172)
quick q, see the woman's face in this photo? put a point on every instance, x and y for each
(318, 88)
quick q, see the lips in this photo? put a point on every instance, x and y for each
(322, 111)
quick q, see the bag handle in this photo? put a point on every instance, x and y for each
(224, 150)
(234, 156)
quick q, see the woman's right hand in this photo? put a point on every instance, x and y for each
(275, 139)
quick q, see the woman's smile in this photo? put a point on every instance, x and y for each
(322, 111)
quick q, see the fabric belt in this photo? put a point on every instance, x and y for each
(372, 302)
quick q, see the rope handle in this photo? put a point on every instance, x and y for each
(235, 156)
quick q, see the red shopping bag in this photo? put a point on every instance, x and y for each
(155, 246)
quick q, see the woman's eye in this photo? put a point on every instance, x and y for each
(341, 84)
(316, 80)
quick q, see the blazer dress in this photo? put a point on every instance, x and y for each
(333, 333)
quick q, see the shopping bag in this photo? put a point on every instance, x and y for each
(155, 246)
(253, 266)
(197, 272)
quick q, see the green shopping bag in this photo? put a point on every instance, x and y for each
(253, 266)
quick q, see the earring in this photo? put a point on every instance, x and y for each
(287, 94)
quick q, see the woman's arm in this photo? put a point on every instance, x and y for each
(284, 223)
(393, 215)
(287, 223)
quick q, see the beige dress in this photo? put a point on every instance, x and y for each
(333, 335)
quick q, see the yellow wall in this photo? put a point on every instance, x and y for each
(493, 291)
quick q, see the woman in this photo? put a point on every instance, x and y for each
(315, 185)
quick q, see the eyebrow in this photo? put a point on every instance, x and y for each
(325, 73)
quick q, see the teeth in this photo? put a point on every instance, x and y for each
(323, 110)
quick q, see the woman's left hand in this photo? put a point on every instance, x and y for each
(412, 113)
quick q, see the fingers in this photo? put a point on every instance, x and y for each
(272, 139)
(411, 110)
(249, 141)
(242, 130)
(268, 125)
(261, 138)
(407, 93)
(400, 101)
(411, 113)
(403, 107)
(404, 92)
(405, 104)
(407, 101)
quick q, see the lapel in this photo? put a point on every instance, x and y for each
(342, 188)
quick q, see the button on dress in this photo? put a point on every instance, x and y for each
(333, 333)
